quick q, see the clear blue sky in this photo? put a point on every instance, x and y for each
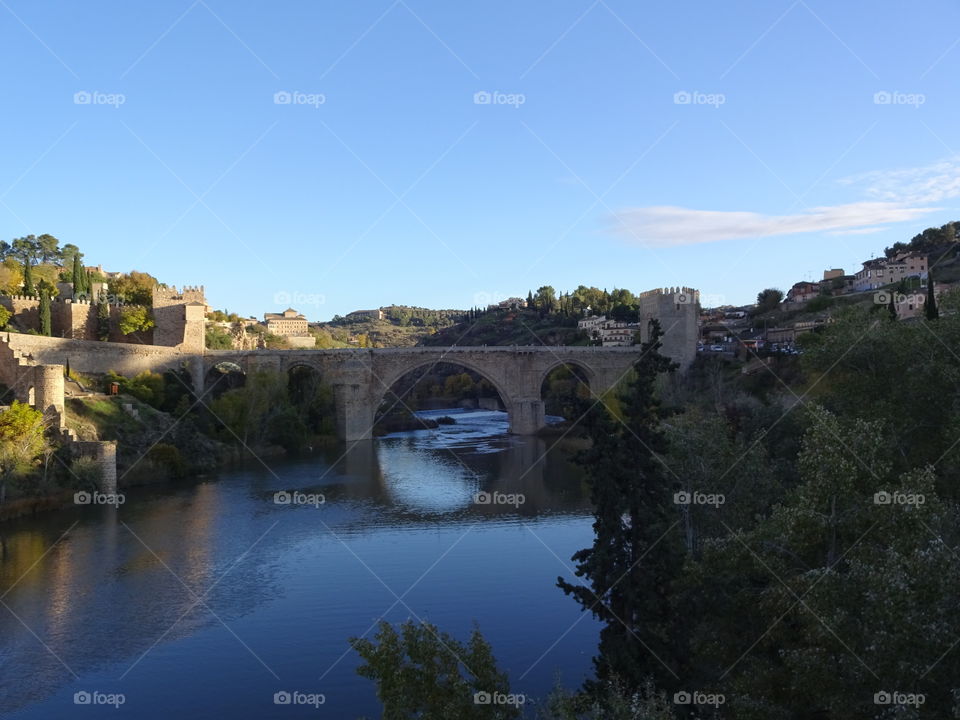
(400, 188)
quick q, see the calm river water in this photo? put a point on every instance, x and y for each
(204, 600)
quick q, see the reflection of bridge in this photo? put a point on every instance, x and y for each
(361, 378)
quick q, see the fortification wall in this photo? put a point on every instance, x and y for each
(94, 357)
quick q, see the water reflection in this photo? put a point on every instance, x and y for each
(213, 585)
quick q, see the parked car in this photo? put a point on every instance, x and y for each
(716, 348)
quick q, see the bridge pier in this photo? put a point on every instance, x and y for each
(527, 416)
(355, 413)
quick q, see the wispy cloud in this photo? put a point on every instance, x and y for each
(892, 196)
(665, 226)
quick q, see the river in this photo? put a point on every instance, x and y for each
(206, 598)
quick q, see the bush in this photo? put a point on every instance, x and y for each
(168, 458)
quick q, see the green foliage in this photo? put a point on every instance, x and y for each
(135, 318)
(103, 317)
(768, 300)
(45, 326)
(610, 700)
(28, 286)
(217, 338)
(421, 672)
(168, 459)
(86, 473)
(820, 303)
(634, 560)
(21, 441)
(134, 288)
(148, 387)
(5, 316)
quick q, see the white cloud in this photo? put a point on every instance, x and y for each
(893, 196)
(666, 226)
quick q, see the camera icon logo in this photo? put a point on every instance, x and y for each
(281, 298)
(682, 698)
(882, 498)
(881, 298)
(681, 498)
(482, 97)
(282, 498)
(882, 698)
(282, 698)
(482, 498)
(482, 698)
(282, 97)
(82, 698)
(82, 98)
(82, 498)
(682, 97)
(882, 98)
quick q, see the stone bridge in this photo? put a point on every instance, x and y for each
(361, 378)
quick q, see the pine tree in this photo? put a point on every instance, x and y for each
(930, 307)
(45, 328)
(529, 299)
(28, 287)
(635, 557)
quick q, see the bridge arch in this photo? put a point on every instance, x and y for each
(383, 386)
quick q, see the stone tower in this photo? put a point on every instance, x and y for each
(179, 316)
(678, 310)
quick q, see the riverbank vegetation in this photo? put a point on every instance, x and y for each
(769, 549)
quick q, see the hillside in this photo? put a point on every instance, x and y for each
(511, 327)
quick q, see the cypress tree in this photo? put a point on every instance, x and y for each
(28, 287)
(77, 275)
(103, 317)
(45, 328)
(892, 308)
(930, 307)
(635, 558)
(529, 299)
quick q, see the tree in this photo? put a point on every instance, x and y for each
(67, 254)
(546, 299)
(769, 299)
(78, 277)
(635, 557)
(103, 317)
(134, 318)
(421, 672)
(930, 307)
(21, 441)
(45, 326)
(48, 249)
(892, 307)
(11, 276)
(28, 287)
(530, 300)
(26, 249)
(135, 288)
(5, 316)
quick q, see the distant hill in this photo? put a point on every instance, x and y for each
(512, 327)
